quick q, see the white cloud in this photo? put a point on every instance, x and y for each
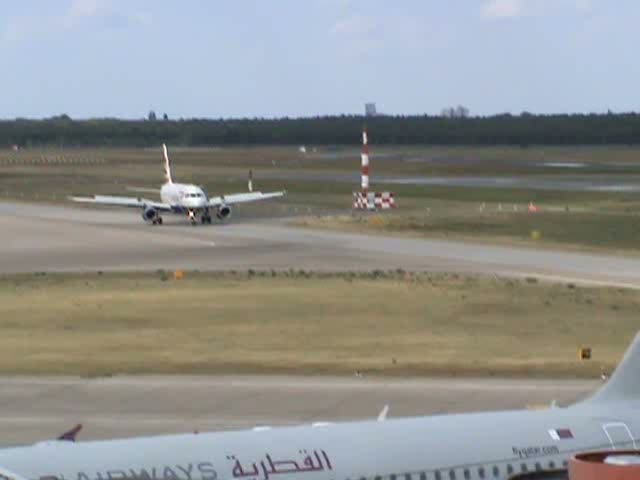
(80, 10)
(79, 13)
(357, 35)
(503, 9)
(360, 36)
(356, 26)
(85, 8)
(584, 5)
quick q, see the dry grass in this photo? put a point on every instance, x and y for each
(387, 324)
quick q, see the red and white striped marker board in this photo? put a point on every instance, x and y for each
(364, 199)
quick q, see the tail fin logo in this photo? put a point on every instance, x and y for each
(167, 164)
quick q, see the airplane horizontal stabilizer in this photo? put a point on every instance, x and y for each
(70, 435)
(143, 189)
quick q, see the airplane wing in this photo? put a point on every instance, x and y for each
(131, 202)
(243, 198)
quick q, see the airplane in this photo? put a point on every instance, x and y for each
(181, 198)
(478, 446)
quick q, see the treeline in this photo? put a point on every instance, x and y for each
(522, 130)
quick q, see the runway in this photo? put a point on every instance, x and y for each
(37, 409)
(43, 238)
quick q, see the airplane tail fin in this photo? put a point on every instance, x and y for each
(167, 165)
(624, 384)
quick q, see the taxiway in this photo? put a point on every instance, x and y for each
(44, 238)
(37, 409)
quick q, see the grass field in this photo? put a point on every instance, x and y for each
(379, 323)
(593, 220)
(576, 229)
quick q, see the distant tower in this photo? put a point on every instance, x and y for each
(370, 109)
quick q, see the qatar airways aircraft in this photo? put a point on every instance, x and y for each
(479, 446)
(180, 198)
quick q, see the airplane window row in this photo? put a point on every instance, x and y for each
(493, 472)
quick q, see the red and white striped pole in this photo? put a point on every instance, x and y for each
(364, 186)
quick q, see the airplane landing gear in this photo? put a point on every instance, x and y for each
(206, 217)
(157, 221)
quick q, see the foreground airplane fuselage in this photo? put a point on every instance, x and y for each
(470, 446)
(449, 447)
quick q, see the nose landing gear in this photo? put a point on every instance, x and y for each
(192, 217)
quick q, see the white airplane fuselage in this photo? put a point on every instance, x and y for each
(184, 197)
(453, 447)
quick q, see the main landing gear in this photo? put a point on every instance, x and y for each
(204, 219)
(157, 221)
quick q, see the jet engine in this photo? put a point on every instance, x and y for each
(224, 212)
(149, 214)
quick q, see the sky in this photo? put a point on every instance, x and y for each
(274, 58)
